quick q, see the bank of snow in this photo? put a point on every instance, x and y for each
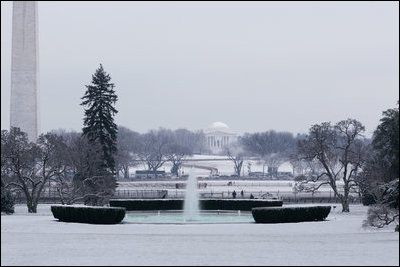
(41, 240)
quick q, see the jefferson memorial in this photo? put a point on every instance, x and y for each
(218, 136)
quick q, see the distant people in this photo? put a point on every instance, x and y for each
(234, 194)
(241, 193)
(251, 196)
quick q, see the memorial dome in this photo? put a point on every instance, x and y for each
(219, 126)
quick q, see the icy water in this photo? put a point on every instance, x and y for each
(179, 218)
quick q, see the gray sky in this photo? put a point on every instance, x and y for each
(254, 65)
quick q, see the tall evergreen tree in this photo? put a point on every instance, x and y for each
(99, 126)
(386, 143)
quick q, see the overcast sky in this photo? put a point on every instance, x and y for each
(255, 66)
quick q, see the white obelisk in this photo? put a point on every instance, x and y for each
(25, 69)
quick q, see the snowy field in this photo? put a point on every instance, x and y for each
(225, 167)
(39, 239)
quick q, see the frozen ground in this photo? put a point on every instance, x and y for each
(41, 240)
(224, 167)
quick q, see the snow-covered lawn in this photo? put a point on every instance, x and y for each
(41, 240)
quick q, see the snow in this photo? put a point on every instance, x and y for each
(39, 239)
(225, 167)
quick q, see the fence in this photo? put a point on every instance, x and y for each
(51, 196)
(126, 194)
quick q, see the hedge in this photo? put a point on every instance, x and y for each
(290, 214)
(205, 204)
(7, 200)
(95, 215)
(237, 204)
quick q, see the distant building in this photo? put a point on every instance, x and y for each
(218, 136)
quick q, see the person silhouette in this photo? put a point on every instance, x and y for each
(234, 194)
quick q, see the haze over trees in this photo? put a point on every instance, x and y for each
(163, 145)
(128, 147)
(236, 153)
(183, 144)
(273, 148)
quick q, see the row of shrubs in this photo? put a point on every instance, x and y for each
(114, 215)
(205, 204)
(290, 214)
(95, 215)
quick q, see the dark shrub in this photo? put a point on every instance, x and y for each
(205, 204)
(7, 200)
(95, 215)
(290, 214)
(148, 204)
(367, 198)
(237, 204)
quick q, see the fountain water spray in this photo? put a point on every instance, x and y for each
(191, 204)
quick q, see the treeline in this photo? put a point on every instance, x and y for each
(328, 153)
(156, 147)
(64, 160)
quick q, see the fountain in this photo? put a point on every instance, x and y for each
(191, 204)
(191, 211)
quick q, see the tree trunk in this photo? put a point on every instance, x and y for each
(345, 205)
(32, 206)
(126, 172)
(175, 169)
(239, 168)
(345, 199)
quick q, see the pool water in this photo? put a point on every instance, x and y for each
(178, 218)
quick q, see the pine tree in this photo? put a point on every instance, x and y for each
(386, 143)
(99, 126)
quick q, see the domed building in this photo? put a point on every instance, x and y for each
(219, 135)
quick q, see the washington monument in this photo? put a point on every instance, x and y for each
(25, 69)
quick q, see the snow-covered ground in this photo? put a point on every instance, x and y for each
(225, 167)
(41, 240)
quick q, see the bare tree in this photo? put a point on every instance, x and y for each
(31, 165)
(127, 151)
(176, 155)
(272, 147)
(154, 148)
(236, 154)
(182, 144)
(79, 182)
(341, 152)
(198, 142)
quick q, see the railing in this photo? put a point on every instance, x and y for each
(141, 194)
(287, 196)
